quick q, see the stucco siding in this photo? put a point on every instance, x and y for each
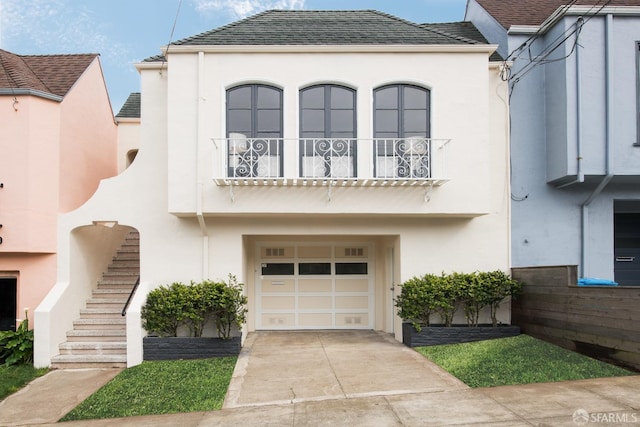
(88, 139)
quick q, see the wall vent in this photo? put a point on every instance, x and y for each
(275, 252)
(353, 252)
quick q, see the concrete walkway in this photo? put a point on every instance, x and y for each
(291, 367)
(347, 379)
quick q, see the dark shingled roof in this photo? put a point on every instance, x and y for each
(54, 74)
(131, 107)
(535, 12)
(465, 30)
(307, 27)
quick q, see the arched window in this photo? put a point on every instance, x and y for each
(328, 131)
(402, 131)
(254, 131)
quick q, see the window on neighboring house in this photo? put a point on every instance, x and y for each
(254, 131)
(328, 132)
(402, 130)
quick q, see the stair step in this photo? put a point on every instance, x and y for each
(116, 281)
(93, 348)
(106, 303)
(86, 335)
(100, 313)
(128, 250)
(118, 274)
(111, 293)
(100, 324)
(70, 361)
(127, 286)
(127, 256)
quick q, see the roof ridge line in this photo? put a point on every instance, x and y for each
(224, 27)
(447, 34)
(11, 71)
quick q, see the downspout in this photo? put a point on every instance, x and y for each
(199, 182)
(579, 171)
(608, 145)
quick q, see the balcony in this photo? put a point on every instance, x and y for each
(242, 161)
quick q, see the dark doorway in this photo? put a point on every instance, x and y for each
(626, 229)
(8, 301)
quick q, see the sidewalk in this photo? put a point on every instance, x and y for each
(345, 378)
(608, 401)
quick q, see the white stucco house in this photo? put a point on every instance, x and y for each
(321, 157)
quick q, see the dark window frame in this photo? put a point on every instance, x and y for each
(254, 132)
(327, 125)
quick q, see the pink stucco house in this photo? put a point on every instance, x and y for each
(58, 141)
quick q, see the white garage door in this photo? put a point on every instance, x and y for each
(320, 286)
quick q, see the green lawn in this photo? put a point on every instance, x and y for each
(160, 387)
(516, 360)
(13, 378)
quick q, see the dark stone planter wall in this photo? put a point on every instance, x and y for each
(175, 348)
(437, 335)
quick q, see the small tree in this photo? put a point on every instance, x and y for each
(473, 295)
(448, 295)
(230, 308)
(417, 300)
(499, 286)
(163, 312)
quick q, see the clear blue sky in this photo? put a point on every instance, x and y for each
(124, 32)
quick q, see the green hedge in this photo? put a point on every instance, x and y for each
(421, 297)
(169, 307)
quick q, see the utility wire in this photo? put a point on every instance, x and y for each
(173, 28)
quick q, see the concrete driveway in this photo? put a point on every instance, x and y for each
(298, 366)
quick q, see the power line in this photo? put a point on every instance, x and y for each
(173, 28)
(542, 57)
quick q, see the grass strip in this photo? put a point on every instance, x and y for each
(160, 387)
(516, 360)
(13, 378)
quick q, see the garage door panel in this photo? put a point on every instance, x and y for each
(278, 320)
(315, 285)
(352, 285)
(352, 319)
(317, 252)
(278, 303)
(315, 320)
(352, 302)
(318, 303)
(278, 285)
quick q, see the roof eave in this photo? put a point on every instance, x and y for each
(572, 11)
(127, 119)
(31, 92)
(352, 48)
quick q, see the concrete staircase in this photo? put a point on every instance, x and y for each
(98, 338)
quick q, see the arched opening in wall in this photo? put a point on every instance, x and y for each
(131, 156)
(8, 303)
(105, 259)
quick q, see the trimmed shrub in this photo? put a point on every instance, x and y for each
(421, 297)
(169, 307)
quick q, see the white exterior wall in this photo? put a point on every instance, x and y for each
(190, 229)
(459, 94)
(128, 140)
